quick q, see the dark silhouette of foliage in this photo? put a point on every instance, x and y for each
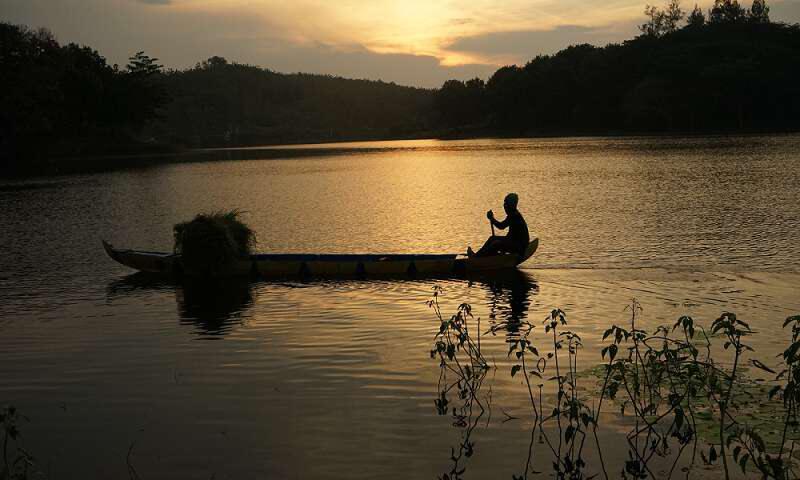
(144, 86)
(682, 394)
(731, 74)
(220, 103)
(759, 12)
(66, 100)
(696, 18)
(661, 22)
(462, 102)
(210, 242)
(732, 71)
(727, 11)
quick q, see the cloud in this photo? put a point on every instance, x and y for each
(180, 36)
(359, 62)
(418, 42)
(521, 46)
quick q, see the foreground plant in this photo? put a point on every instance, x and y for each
(17, 462)
(670, 381)
(463, 368)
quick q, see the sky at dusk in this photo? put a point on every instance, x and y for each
(411, 42)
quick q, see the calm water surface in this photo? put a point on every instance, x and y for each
(332, 379)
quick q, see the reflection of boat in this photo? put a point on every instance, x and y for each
(509, 297)
(283, 265)
(214, 307)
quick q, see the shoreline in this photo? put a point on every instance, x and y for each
(166, 154)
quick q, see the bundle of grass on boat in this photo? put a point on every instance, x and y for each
(211, 242)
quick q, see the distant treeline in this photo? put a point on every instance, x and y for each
(218, 103)
(731, 71)
(66, 99)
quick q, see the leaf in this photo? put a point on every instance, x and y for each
(790, 353)
(760, 365)
(758, 441)
(586, 419)
(612, 350)
(794, 318)
(512, 348)
(773, 391)
(515, 369)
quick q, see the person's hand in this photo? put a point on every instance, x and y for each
(490, 215)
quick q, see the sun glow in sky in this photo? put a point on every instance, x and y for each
(418, 27)
(417, 42)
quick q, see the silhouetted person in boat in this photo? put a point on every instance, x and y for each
(518, 237)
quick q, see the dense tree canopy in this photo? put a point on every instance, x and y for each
(67, 99)
(219, 103)
(735, 72)
(729, 70)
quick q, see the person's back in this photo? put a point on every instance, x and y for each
(517, 230)
(518, 237)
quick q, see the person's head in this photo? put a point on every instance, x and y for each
(510, 202)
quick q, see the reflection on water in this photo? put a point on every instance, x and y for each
(331, 379)
(509, 297)
(216, 306)
(213, 306)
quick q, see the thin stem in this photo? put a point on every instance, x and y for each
(723, 406)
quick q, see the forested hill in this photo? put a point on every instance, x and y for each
(733, 70)
(65, 101)
(220, 103)
(725, 74)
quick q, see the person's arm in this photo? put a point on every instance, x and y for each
(501, 225)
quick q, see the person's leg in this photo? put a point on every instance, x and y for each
(506, 245)
(489, 248)
(496, 245)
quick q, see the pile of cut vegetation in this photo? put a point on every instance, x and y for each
(211, 242)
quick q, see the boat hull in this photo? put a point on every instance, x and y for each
(293, 265)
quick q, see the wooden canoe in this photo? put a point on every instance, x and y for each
(316, 265)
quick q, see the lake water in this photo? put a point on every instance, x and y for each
(333, 379)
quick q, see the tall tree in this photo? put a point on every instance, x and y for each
(661, 22)
(655, 21)
(147, 93)
(696, 18)
(673, 14)
(759, 12)
(727, 11)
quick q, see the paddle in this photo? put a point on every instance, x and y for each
(492, 225)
